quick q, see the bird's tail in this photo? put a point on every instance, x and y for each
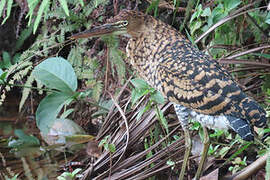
(253, 112)
(241, 127)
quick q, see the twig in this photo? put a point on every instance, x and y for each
(224, 20)
(248, 51)
(127, 129)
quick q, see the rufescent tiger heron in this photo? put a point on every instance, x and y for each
(196, 84)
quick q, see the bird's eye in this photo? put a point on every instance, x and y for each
(121, 24)
(125, 23)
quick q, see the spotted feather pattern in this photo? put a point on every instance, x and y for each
(188, 77)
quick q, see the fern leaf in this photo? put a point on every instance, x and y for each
(26, 91)
(97, 89)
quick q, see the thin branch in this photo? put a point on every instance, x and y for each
(127, 130)
(224, 20)
(240, 61)
(248, 51)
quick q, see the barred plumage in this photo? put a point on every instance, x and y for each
(187, 76)
(197, 85)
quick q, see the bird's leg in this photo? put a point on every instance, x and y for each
(206, 143)
(188, 145)
(183, 114)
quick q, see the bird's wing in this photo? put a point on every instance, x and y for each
(204, 86)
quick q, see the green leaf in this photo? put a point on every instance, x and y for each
(163, 120)
(197, 13)
(104, 141)
(48, 110)
(6, 59)
(157, 97)
(3, 76)
(136, 94)
(267, 19)
(66, 113)
(143, 110)
(67, 132)
(81, 2)
(9, 6)
(76, 171)
(206, 12)
(153, 5)
(267, 56)
(42, 7)
(16, 58)
(57, 73)
(111, 148)
(196, 25)
(24, 140)
(64, 6)
(117, 61)
(231, 4)
(170, 163)
(79, 138)
(2, 5)
(32, 4)
(140, 84)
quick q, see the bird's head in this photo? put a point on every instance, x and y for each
(127, 22)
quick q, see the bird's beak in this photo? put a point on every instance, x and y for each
(97, 31)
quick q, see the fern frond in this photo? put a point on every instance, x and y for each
(97, 90)
(26, 91)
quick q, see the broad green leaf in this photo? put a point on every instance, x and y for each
(206, 12)
(9, 6)
(42, 7)
(2, 5)
(158, 97)
(48, 110)
(139, 83)
(136, 94)
(65, 131)
(231, 4)
(64, 6)
(56, 73)
(1, 72)
(24, 140)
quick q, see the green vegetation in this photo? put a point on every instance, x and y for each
(88, 80)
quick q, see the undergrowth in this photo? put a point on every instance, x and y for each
(234, 32)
